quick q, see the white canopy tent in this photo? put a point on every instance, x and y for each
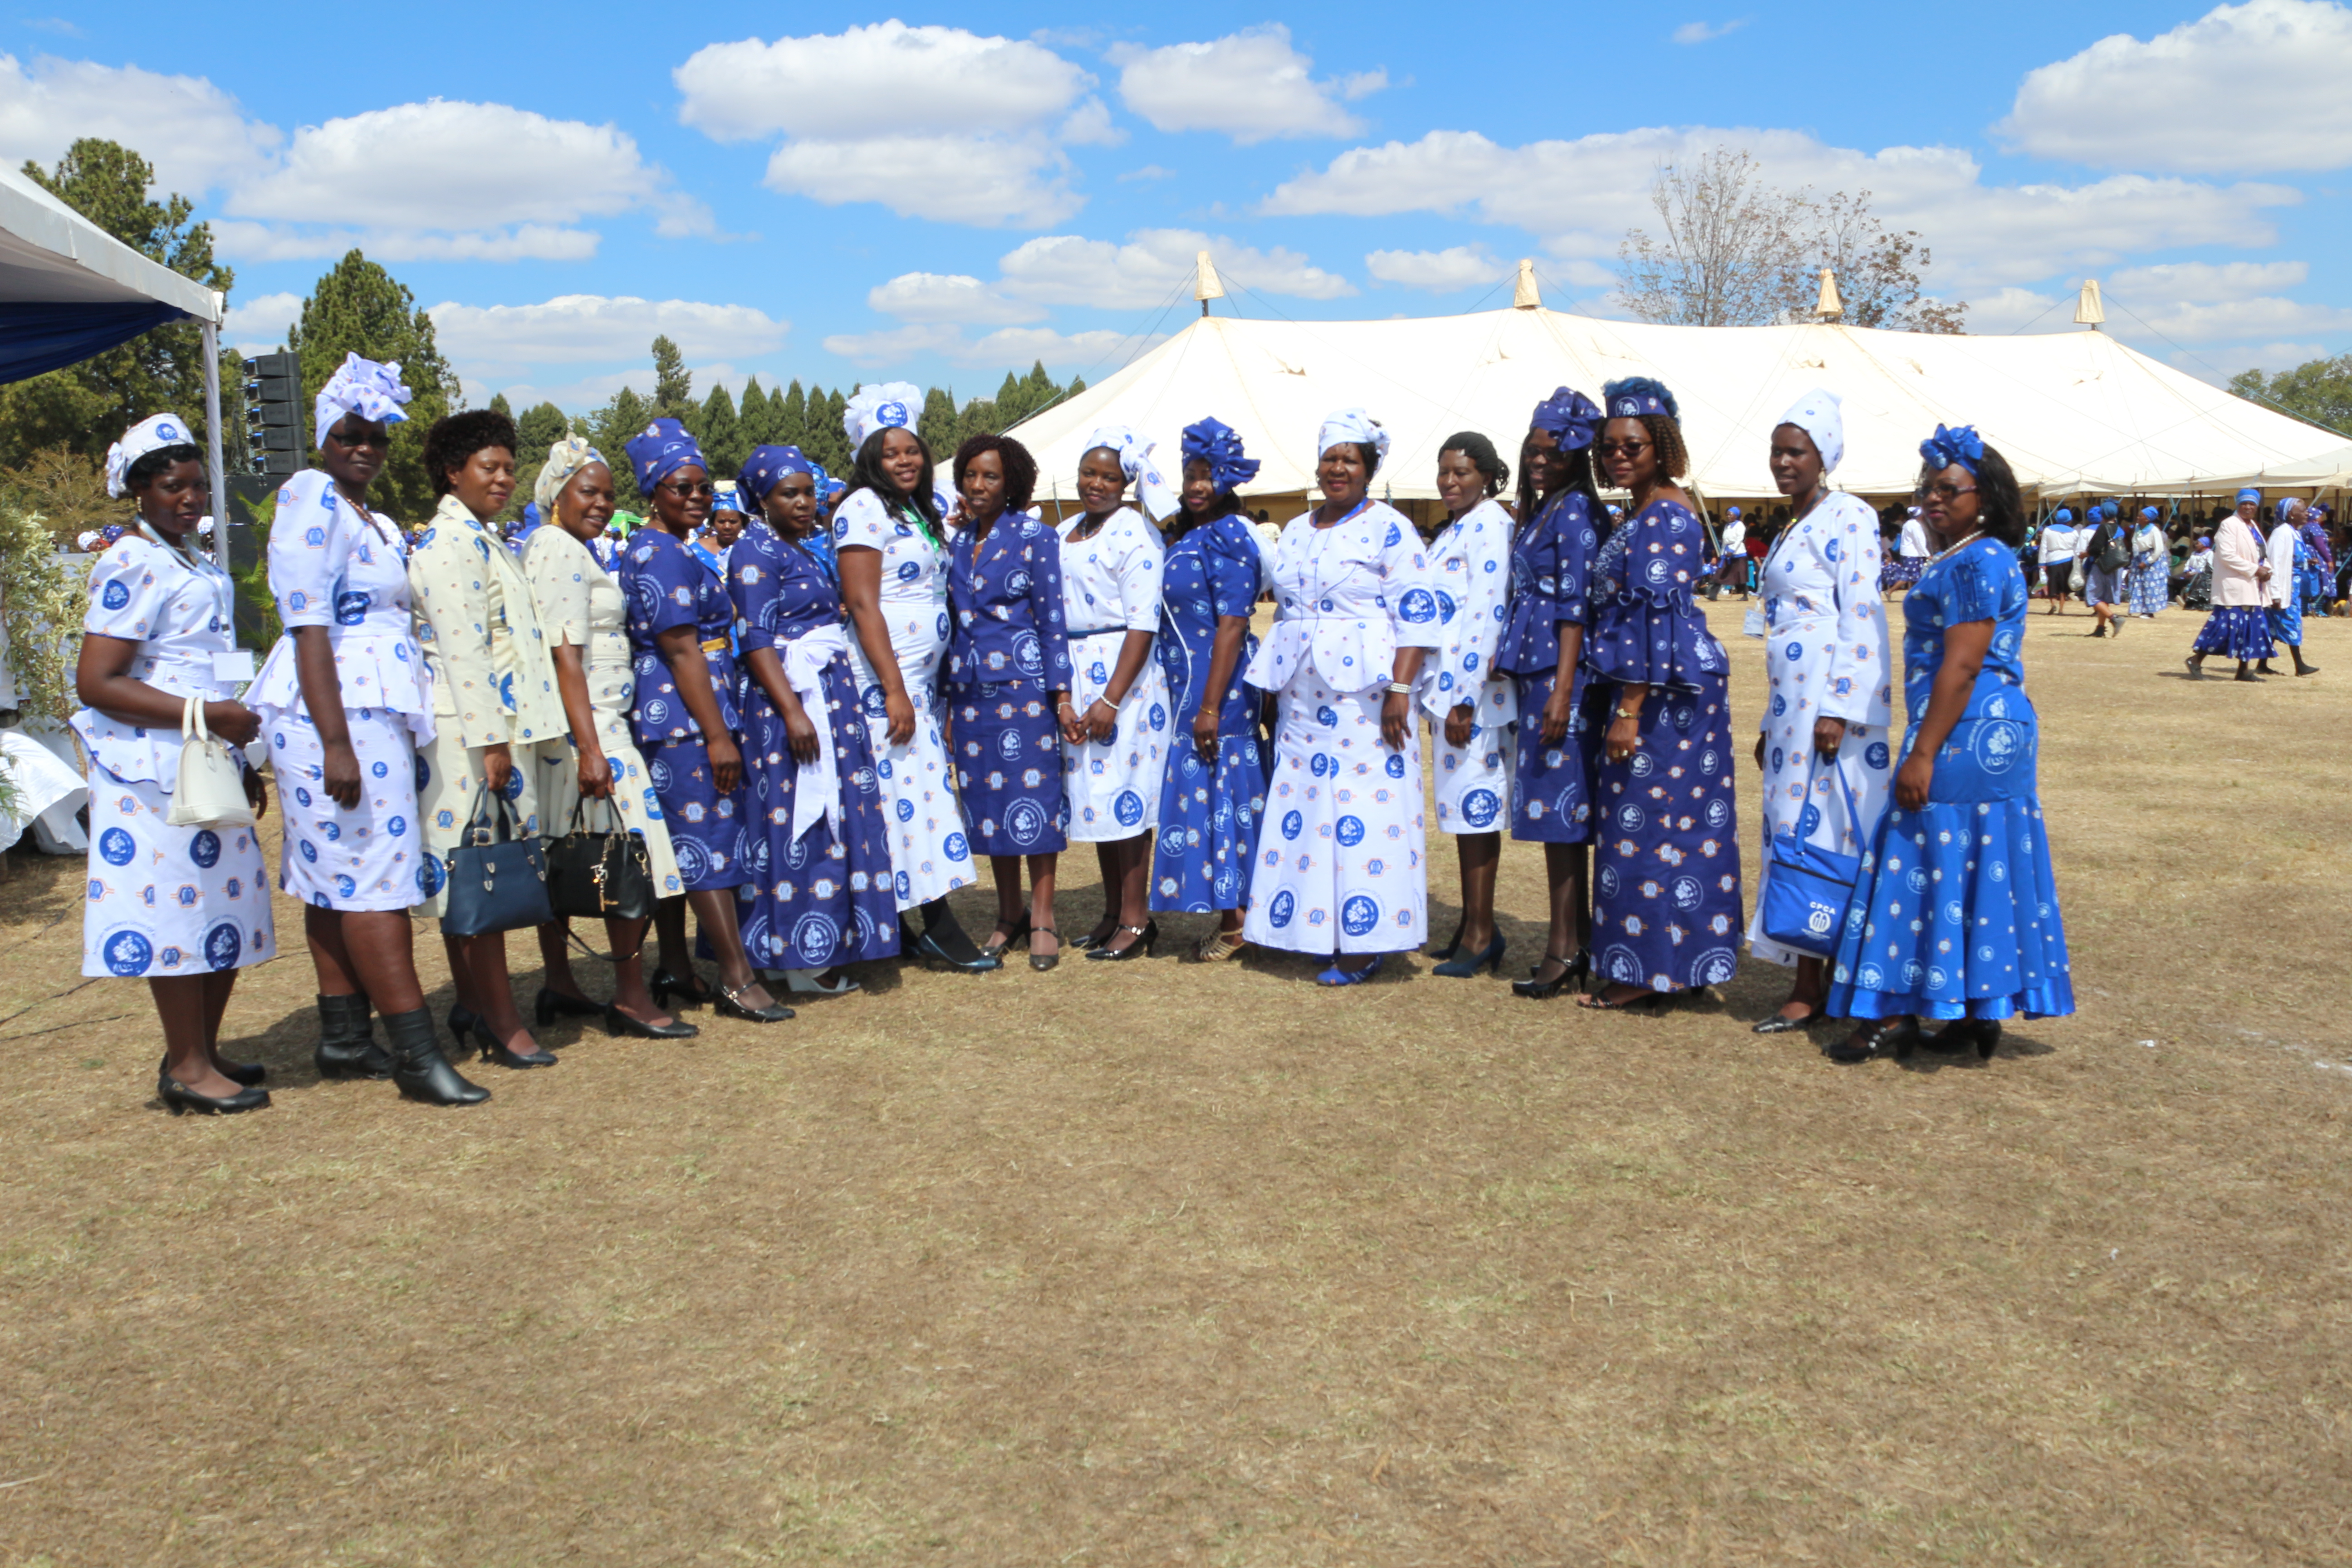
(2072, 412)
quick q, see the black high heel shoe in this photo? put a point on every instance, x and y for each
(1539, 989)
(419, 1069)
(1462, 965)
(246, 1075)
(1042, 961)
(495, 1050)
(550, 1005)
(690, 990)
(1091, 941)
(1019, 931)
(927, 946)
(1979, 1035)
(178, 1098)
(730, 1005)
(1147, 935)
(619, 1022)
(1452, 945)
(1894, 1037)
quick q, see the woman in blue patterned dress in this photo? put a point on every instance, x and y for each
(2151, 565)
(820, 846)
(1009, 687)
(1542, 651)
(1665, 903)
(1215, 785)
(686, 720)
(1956, 915)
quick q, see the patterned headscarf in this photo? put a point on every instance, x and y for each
(1138, 462)
(1217, 444)
(1960, 443)
(888, 405)
(767, 465)
(1639, 395)
(1820, 414)
(363, 387)
(1351, 425)
(1572, 418)
(662, 450)
(565, 458)
(150, 434)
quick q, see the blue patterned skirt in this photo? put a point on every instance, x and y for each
(2236, 631)
(1208, 823)
(706, 828)
(2286, 624)
(1666, 911)
(1899, 571)
(2150, 584)
(1551, 789)
(1008, 760)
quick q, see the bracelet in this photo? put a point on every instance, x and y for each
(1625, 712)
(1398, 688)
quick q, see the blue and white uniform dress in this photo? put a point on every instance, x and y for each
(1825, 656)
(1110, 587)
(1472, 557)
(333, 565)
(1551, 569)
(1665, 895)
(930, 854)
(667, 587)
(820, 839)
(1957, 911)
(2151, 585)
(1006, 655)
(1340, 859)
(162, 900)
(1208, 812)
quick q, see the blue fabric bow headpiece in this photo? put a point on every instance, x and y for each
(1960, 445)
(1572, 418)
(768, 465)
(1637, 396)
(662, 450)
(1217, 444)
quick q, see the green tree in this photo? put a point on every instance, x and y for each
(938, 424)
(538, 428)
(673, 385)
(498, 404)
(791, 418)
(721, 434)
(753, 417)
(359, 308)
(85, 407)
(828, 436)
(609, 428)
(2317, 392)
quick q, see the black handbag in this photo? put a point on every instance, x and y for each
(497, 883)
(600, 876)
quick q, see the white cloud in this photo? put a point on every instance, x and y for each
(191, 130)
(1983, 236)
(588, 391)
(1066, 269)
(1706, 32)
(1149, 172)
(573, 328)
(1011, 347)
(242, 241)
(2008, 309)
(934, 296)
(2205, 280)
(1251, 86)
(258, 325)
(1439, 271)
(2257, 87)
(2229, 320)
(934, 123)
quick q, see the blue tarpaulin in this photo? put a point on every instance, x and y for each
(36, 337)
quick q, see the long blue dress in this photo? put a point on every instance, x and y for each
(818, 897)
(1208, 812)
(1665, 897)
(667, 587)
(1006, 655)
(1957, 914)
(1551, 566)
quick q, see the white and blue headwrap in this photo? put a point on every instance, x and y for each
(565, 458)
(1351, 425)
(662, 449)
(1217, 444)
(363, 387)
(150, 434)
(1572, 418)
(767, 465)
(2250, 494)
(1639, 395)
(1138, 461)
(726, 497)
(887, 405)
(1820, 414)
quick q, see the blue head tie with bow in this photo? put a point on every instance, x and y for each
(1572, 418)
(660, 450)
(1960, 443)
(1217, 444)
(1638, 396)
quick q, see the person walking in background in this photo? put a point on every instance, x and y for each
(1956, 915)
(2288, 557)
(2237, 629)
(2056, 550)
(2151, 565)
(2320, 577)
(1908, 559)
(2106, 587)
(1731, 566)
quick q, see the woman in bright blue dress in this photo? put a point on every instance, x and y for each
(685, 718)
(1215, 785)
(1666, 900)
(1955, 914)
(820, 844)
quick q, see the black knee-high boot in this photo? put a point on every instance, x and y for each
(347, 1046)
(419, 1068)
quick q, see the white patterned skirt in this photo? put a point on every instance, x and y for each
(165, 900)
(1474, 782)
(448, 791)
(370, 857)
(1113, 786)
(556, 768)
(1341, 844)
(930, 853)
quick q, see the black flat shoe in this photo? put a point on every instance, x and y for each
(1536, 988)
(178, 1098)
(929, 948)
(663, 986)
(246, 1075)
(730, 1005)
(1042, 961)
(1642, 1002)
(619, 1022)
(550, 1005)
(1017, 931)
(1782, 1024)
(1146, 935)
(1894, 1037)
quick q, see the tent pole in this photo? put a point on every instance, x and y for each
(212, 442)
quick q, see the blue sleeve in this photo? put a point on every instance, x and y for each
(1046, 606)
(1971, 589)
(1651, 633)
(1573, 539)
(662, 590)
(753, 581)
(1230, 559)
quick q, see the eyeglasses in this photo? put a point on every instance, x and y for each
(1946, 491)
(690, 488)
(1622, 448)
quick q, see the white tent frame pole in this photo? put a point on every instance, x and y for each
(213, 448)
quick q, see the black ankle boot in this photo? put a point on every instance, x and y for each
(419, 1068)
(347, 1046)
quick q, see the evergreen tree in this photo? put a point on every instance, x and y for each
(359, 308)
(498, 404)
(538, 428)
(829, 437)
(85, 407)
(721, 434)
(610, 429)
(673, 385)
(791, 418)
(938, 425)
(754, 417)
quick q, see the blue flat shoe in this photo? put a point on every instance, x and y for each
(1335, 976)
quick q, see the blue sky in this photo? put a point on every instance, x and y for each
(933, 195)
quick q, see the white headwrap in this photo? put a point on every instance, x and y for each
(1138, 461)
(1818, 414)
(884, 405)
(2291, 509)
(87, 541)
(150, 434)
(363, 387)
(1351, 425)
(565, 458)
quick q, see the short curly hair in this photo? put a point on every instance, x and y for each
(1020, 468)
(454, 438)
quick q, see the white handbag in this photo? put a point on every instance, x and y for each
(210, 788)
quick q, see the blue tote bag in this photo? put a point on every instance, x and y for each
(1808, 888)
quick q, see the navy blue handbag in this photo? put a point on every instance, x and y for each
(1808, 888)
(497, 881)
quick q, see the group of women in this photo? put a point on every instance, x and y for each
(815, 744)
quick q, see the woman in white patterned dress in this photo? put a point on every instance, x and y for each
(185, 907)
(1824, 744)
(1340, 865)
(1470, 706)
(1112, 558)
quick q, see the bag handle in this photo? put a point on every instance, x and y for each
(191, 722)
(478, 831)
(612, 813)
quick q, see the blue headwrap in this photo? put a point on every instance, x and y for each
(1215, 443)
(2061, 515)
(1960, 445)
(1637, 396)
(662, 450)
(2147, 514)
(2250, 494)
(767, 465)
(1573, 418)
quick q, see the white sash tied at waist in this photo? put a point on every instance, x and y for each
(816, 787)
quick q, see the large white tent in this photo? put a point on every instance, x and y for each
(2072, 411)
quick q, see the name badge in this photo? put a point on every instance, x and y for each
(232, 664)
(1753, 624)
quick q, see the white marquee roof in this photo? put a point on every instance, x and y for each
(50, 254)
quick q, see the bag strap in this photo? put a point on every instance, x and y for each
(503, 820)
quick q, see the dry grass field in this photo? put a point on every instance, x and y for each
(1154, 1264)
